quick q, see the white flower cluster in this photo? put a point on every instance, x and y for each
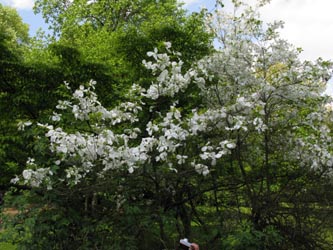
(169, 80)
(35, 177)
(214, 153)
(85, 105)
(22, 125)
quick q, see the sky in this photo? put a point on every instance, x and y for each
(308, 23)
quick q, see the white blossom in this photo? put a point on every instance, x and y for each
(201, 169)
(21, 125)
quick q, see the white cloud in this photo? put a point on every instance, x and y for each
(20, 4)
(308, 24)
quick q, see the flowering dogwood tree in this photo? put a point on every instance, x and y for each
(105, 147)
(259, 140)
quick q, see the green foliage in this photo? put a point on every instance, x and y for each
(247, 237)
(13, 33)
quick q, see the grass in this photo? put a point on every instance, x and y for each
(7, 246)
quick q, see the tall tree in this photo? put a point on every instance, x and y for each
(13, 33)
(117, 34)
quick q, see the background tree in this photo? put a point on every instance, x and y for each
(13, 33)
(13, 37)
(117, 35)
